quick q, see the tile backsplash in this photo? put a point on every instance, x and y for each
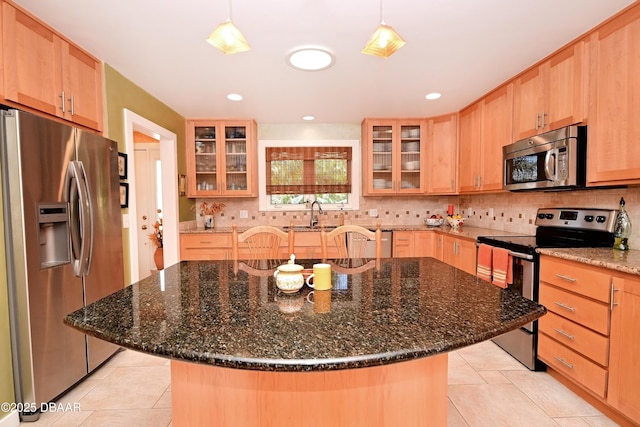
(514, 212)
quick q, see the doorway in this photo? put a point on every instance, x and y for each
(168, 191)
(148, 165)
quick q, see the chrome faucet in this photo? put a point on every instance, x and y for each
(314, 219)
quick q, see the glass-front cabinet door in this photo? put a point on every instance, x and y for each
(392, 156)
(221, 158)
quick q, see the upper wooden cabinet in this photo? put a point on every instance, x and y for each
(485, 127)
(393, 156)
(442, 159)
(552, 94)
(46, 72)
(613, 152)
(470, 145)
(221, 158)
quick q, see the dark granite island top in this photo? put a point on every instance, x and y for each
(205, 312)
(372, 351)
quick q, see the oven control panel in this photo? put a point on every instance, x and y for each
(578, 218)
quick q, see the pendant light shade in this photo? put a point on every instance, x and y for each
(228, 38)
(384, 41)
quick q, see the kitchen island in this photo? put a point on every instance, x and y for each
(372, 351)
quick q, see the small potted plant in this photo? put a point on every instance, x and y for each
(208, 210)
(156, 238)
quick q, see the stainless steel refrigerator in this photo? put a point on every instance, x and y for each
(64, 248)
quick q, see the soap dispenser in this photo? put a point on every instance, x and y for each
(622, 230)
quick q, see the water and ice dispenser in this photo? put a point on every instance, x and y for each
(53, 234)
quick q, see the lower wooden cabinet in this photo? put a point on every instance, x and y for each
(308, 245)
(205, 246)
(414, 243)
(590, 334)
(624, 356)
(217, 246)
(575, 333)
(460, 253)
(403, 244)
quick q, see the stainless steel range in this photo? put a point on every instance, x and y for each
(556, 228)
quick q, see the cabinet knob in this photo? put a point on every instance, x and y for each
(144, 227)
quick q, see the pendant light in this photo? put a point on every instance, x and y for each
(228, 38)
(384, 41)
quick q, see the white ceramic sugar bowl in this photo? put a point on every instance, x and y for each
(289, 277)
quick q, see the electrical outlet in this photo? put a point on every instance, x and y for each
(373, 213)
(490, 212)
(244, 214)
(469, 212)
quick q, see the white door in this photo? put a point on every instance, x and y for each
(148, 201)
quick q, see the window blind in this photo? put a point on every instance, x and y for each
(308, 170)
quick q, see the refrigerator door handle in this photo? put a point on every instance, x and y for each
(81, 218)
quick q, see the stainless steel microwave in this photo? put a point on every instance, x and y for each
(550, 161)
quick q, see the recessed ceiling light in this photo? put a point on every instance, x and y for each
(433, 95)
(234, 97)
(308, 118)
(311, 59)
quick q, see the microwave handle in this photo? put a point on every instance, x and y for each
(549, 162)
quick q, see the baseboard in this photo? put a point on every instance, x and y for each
(11, 420)
(595, 401)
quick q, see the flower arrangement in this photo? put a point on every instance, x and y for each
(156, 236)
(212, 208)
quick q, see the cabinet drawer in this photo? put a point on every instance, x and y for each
(586, 312)
(308, 245)
(206, 246)
(575, 277)
(578, 338)
(572, 365)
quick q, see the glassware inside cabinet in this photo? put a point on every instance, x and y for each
(206, 158)
(410, 156)
(236, 158)
(382, 157)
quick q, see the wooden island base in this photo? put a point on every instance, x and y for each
(412, 393)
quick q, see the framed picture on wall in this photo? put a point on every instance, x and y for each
(122, 165)
(124, 195)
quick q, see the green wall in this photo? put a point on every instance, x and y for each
(121, 93)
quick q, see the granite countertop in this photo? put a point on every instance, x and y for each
(215, 313)
(622, 261)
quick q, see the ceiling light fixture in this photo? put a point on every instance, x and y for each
(228, 38)
(234, 97)
(433, 95)
(311, 59)
(308, 118)
(384, 41)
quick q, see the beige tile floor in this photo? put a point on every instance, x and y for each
(487, 387)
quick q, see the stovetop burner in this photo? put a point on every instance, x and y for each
(562, 228)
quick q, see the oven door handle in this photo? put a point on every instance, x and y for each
(515, 254)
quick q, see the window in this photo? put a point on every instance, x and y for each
(293, 173)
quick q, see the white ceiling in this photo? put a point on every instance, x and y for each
(461, 48)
